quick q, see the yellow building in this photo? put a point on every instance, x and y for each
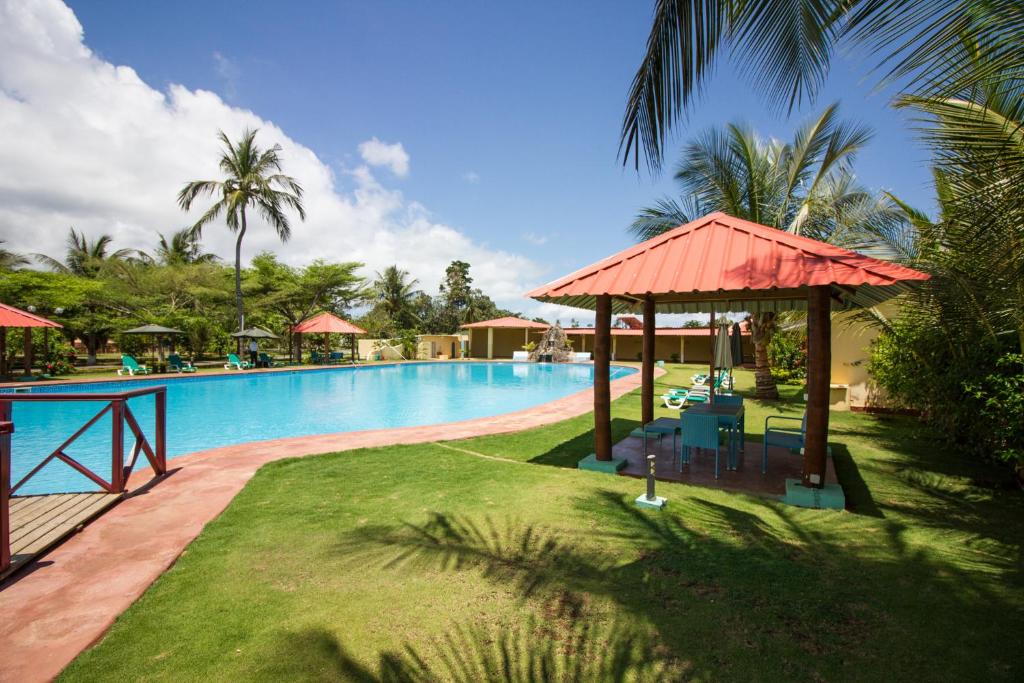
(500, 337)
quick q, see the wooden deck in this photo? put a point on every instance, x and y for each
(39, 522)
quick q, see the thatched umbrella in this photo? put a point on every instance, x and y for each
(157, 332)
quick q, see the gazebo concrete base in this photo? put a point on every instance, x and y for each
(592, 464)
(656, 504)
(830, 497)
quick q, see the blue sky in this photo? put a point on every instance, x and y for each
(509, 112)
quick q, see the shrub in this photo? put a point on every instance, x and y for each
(999, 401)
(787, 355)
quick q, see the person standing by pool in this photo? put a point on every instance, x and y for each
(253, 352)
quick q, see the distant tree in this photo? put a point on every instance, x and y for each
(253, 180)
(84, 257)
(296, 294)
(10, 260)
(184, 247)
(693, 324)
(394, 292)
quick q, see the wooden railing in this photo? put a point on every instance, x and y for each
(121, 413)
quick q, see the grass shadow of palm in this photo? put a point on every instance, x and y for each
(756, 572)
(568, 453)
(521, 653)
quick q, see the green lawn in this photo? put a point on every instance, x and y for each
(429, 563)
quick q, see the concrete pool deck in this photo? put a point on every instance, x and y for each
(66, 600)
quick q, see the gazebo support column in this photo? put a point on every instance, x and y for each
(601, 459)
(819, 359)
(647, 371)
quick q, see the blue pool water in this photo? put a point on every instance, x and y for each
(207, 412)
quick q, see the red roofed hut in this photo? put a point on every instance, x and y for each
(327, 324)
(15, 317)
(503, 336)
(719, 263)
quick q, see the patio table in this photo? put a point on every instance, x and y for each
(661, 426)
(728, 416)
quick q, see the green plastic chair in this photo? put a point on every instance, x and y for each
(786, 437)
(131, 366)
(234, 362)
(175, 362)
(699, 431)
(266, 361)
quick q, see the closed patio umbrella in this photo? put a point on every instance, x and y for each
(737, 345)
(723, 348)
(156, 331)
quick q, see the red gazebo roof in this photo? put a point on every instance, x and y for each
(15, 317)
(509, 321)
(327, 322)
(734, 264)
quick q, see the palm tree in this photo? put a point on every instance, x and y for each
(10, 260)
(84, 257)
(184, 247)
(253, 180)
(787, 49)
(804, 186)
(395, 293)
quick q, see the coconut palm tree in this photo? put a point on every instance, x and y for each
(84, 257)
(394, 292)
(787, 48)
(10, 260)
(805, 186)
(183, 247)
(253, 180)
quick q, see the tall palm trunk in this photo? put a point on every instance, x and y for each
(239, 311)
(762, 327)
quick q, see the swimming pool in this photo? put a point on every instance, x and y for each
(222, 410)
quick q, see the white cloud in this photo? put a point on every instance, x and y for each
(394, 156)
(89, 144)
(535, 239)
(471, 177)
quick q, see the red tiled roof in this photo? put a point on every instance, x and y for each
(658, 332)
(15, 317)
(509, 321)
(327, 322)
(740, 264)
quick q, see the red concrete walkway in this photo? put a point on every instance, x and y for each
(66, 601)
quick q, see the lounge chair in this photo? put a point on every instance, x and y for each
(336, 357)
(174, 362)
(266, 361)
(234, 362)
(131, 366)
(786, 437)
(520, 355)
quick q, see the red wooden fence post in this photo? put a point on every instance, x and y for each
(117, 446)
(160, 435)
(6, 427)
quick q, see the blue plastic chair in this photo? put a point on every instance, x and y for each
(699, 431)
(785, 437)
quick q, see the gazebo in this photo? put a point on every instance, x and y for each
(15, 317)
(504, 335)
(719, 263)
(328, 323)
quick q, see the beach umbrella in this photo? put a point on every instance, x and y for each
(255, 333)
(15, 317)
(737, 345)
(155, 331)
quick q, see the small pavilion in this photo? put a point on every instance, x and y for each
(327, 323)
(503, 336)
(15, 317)
(716, 264)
